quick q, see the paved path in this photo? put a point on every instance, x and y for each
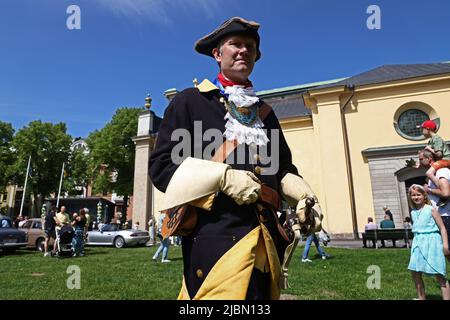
(358, 244)
(349, 244)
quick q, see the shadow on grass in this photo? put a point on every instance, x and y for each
(125, 248)
(319, 257)
(175, 259)
(16, 252)
(171, 259)
(93, 254)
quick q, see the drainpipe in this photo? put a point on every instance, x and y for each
(348, 161)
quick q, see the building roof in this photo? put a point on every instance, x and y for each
(287, 102)
(295, 89)
(393, 72)
(288, 108)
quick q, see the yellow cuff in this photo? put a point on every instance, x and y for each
(204, 203)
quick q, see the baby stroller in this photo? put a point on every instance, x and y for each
(64, 241)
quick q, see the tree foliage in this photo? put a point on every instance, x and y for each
(76, 172)
(6, 153)
(112, 153)
(49, 146)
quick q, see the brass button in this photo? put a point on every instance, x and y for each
(222, 100)
(259, 207)
(199, 273)
(258, 170)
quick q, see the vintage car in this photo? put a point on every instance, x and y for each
(36, 235)
(10, 238)
(112, 234)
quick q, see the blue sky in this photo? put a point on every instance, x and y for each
(128, 48)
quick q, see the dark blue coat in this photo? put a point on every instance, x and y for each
(217, 231)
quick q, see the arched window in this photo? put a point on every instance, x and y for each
(409, 122)
(409, 117)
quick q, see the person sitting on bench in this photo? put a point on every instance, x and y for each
(370, 226)
(387, 223)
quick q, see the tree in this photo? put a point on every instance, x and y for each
(49, 146)
(112, 153)
(6, 154)
(76, 172)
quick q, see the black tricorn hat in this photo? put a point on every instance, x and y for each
(235, 25)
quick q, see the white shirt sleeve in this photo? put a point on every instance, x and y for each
(443, 173)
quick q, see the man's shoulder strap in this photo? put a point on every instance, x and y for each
(264, 111)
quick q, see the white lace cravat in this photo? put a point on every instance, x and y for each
(252, 134)
(241, 97)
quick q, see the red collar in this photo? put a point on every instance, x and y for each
(226, 83)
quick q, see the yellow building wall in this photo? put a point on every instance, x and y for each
(329, 139)
(370, 124)
(300, 138)
(299, 134)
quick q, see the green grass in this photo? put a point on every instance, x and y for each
(345, 276)
(129, 273)
(106, 273)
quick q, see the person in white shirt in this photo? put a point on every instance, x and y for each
(436, 192)
(370, 226)
(21, 223)
(151, 231)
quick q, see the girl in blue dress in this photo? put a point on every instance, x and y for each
(430, 245)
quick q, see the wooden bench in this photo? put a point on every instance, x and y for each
(387, 234)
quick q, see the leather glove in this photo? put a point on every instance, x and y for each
(310, 217)
(242, 186)
(298, 193)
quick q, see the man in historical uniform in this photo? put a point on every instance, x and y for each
(237, 245)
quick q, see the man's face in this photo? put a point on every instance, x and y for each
(424, 161)
(63, 209)
(236, 57)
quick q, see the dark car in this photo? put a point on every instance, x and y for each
(10, 237)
